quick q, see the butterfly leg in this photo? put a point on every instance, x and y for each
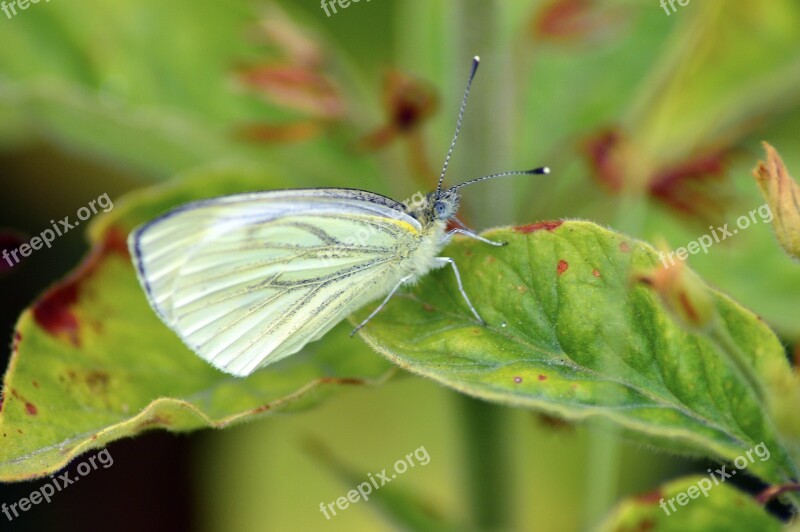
(461, 286)
(476, 237)
(383, 304)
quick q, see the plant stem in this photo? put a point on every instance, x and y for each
(486, 463)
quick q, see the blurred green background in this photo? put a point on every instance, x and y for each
(650, 121)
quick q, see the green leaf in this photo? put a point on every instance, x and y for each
(92, 363)
(570, 335)
(723, 508)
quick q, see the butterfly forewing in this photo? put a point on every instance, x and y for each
(246, 280)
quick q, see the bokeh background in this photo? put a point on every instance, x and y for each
(651, 121)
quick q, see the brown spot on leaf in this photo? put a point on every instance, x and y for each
(522, 289)
(518, 379)
(281, 133)
(427, 307)
(562, 266)
(154, 421)
(530, 228)
(31, 409)
(596, 273)
(97, 381)
(35, 384)
(624, 247)
(262, 408)
(553, 422)
(341, 380)
(542, 377)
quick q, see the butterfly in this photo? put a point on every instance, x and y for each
(248, 279)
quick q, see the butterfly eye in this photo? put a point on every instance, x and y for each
(440, 209)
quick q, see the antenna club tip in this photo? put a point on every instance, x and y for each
(476, 59)
(543, 170)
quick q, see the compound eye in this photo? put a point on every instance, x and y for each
(439, 208)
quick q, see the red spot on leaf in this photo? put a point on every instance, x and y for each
(688, 308)
(530, 228)
(15, 342)
(53, 314)
(408, 103)
(602, 150)
(53, 311)
(2, 399)
(650, 497)
(596, 273)
(691, 186)
(295, 87)
(542, 377)
(452, 224)
(571, 20)
(30, 409)
(518, 379)
(624, 247)
(562, 266)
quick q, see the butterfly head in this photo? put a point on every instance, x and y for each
(444, 205)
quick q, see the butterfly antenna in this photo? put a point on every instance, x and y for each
(536, 171)
(475, 62)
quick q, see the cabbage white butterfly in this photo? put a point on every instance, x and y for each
(248, 279)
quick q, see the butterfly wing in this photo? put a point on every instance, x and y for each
(248, 279)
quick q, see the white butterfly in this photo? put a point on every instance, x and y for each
(249, 279)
